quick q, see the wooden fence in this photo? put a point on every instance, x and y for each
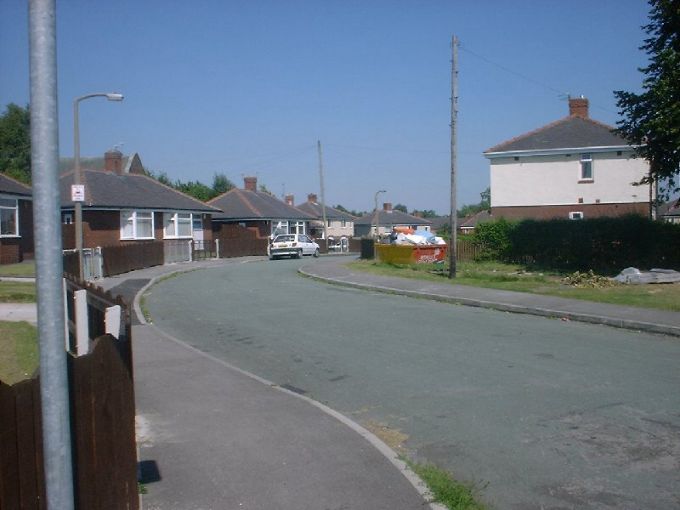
(102, 409)
(128, 257)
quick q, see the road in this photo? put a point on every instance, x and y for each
(538, 413)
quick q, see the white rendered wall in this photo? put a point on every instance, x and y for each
(554, 180)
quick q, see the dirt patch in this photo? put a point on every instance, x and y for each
(394, 438)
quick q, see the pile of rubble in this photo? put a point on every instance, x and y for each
(419, 237)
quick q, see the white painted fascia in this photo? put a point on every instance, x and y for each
(551, 152)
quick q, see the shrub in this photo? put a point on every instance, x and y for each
(494, 237)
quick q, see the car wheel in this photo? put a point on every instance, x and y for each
(298, 255)
(316, 253)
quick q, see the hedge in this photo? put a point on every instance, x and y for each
(602, 244)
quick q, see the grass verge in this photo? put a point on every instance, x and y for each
(496, 275)
(17, 292)
(445, 490)
(25, 269)
(19, 356)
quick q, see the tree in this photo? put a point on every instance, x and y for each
(651, 120)
(15, 143)
(401, 207)
(483, 205)
(221, 184)
(425, 213)
(196, 189)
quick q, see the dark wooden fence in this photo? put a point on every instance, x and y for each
(203, 250)
(102, 409)
(467, 250)
(128, 257)
(243, 247)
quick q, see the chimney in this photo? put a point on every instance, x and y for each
(311, 198)
(289, 199)
(113, 161)
(387, 207)
(578, 107)
(250, 183)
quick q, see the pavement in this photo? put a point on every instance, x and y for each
(212, 436)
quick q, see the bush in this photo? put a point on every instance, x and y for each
(603, 244)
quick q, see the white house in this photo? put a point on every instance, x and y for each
(339, 224)
(573, 168)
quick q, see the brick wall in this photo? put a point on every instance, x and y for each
(562, 211)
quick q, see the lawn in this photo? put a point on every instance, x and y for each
(17, 292)
(497, 275)
(25, 268)
(18, 351)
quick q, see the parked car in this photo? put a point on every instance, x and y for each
(292, 245)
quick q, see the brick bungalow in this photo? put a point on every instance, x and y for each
(16, 221)
(339, 224)
(387, 218)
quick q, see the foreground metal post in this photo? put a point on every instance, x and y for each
(49, 267)
(453, 220)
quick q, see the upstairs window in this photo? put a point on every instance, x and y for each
(9, 217)
(136, 225)
(177, 225)
(586, 167)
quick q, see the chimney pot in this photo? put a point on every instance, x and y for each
(311, 198)
(289, 199)
(250, 183)
(113, 161)
(387, 206)
(578, 107)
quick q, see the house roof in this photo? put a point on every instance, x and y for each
(315, 209)
(241, 204)
(11, 186)
(669, 209)
(109, 190)
(475, 219)
(394, 217)
(571, 132)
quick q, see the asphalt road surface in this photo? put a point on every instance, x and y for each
(537, 413)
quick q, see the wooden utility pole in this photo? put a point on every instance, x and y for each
(453, 220)
(323, 198)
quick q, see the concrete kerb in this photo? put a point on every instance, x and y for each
(506, 307)
(372, 439)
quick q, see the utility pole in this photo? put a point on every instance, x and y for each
(323, 198)
(54, 391)
(453, 220)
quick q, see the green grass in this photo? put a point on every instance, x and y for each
(445, 490)
(496, 275)
(25, 268)
(18, 351)
(17, 292)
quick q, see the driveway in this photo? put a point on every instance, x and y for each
(539, 413)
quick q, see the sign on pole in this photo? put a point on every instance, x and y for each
(77, 192)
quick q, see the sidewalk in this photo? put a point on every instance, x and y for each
(334, 270)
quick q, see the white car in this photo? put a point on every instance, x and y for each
(292, 245)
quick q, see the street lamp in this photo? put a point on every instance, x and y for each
(78, 189)
(375, 221)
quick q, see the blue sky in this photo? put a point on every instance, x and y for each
(248, 87)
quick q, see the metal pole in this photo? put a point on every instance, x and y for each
(54, 390)
(323, 198)
(77, 179)
(375, 220)
(453, 221)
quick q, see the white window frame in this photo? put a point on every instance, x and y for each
(134, 217)
(576, 215)
(343, 223)
(586, 162)
(174, 219)
(14, 208)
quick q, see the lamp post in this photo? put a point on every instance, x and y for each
(78, 189)
(375, 221)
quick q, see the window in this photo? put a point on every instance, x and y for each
(343, 223)
(9, 217)
(576, 215)
(136, 225)
(280, 227)
(586, 167)
(68, 219)
(177, 225)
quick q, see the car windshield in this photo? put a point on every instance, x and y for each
(284, 239)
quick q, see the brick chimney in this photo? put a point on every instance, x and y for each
(113, 161)
(250, 183)
(311, 198)
(578, 107)
(289, 199)
(387, 207)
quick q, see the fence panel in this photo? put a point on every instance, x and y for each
(467, 250)
(176, 250)
(243, 247)
(128, 257)
(204, 249)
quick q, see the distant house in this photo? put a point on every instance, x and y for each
(669, 212)
(248, 214)
(339, 224)
(16, 221)
(573, 168)
(123, 205)
(467, 225)
(384, 220)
